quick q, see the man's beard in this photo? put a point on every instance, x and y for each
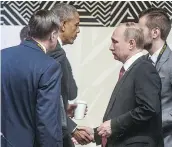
(148, 43)
(148, 46)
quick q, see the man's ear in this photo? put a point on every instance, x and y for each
(132, 44)
(53, 35)
(63, 26)
(156, 32)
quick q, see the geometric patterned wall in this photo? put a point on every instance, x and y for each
(92, 13)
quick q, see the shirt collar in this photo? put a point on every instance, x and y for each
(154, 57)
(60, 41)
(42, 47)
(131, 60)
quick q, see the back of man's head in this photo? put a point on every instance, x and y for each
(133, 31)
(157, 18)
(42, 23)
(64, 11)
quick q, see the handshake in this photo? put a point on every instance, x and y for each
(81, 135)
(84, 135)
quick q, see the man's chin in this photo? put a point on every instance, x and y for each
(115, 57)
(70, 41)
(148, 46)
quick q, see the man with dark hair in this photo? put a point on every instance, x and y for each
(31, 87)
(133, 115)
(69, 28)
(156, 25)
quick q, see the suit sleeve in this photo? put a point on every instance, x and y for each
(147, 95)
(48, 119)
(97, 137)
(69, 89)
(68, 85)
(71, 84)
(71, 125)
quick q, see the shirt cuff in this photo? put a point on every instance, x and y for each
(74, 129)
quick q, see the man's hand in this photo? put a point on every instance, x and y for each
(83, 135)
(89, 130)
(86, 111)
(105, 129)
(71, 109)
(74, 141)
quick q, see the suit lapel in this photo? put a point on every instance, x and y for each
(163, 59)
(117, 88)
(115, 92)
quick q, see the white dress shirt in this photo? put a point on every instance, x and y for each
(60, 41)
(154, 57)
(131, 60)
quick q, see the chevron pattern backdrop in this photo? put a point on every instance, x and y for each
(92, 13)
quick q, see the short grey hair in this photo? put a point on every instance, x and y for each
(133, 31)
(64, 11)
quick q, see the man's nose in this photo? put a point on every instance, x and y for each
(78, 30)
(111, 47)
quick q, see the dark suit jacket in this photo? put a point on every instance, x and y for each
(68, 89)
(30, 97)
(134, 108)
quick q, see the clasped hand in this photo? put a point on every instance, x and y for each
(104, 129)
(83, 135)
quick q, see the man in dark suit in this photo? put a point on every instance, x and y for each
(133, 115)
(156, 25)
(31, 88)
(68, 31)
